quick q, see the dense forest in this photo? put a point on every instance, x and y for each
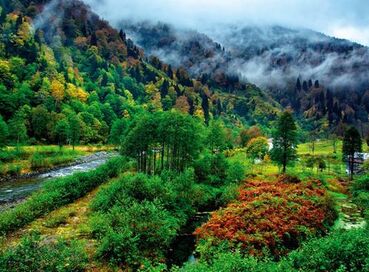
(77, 74)
(323, 79)
(115, 158)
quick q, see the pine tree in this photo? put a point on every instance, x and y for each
(298, 84)
(316, 84)
(122, 35)
(284, 141)
(305, 86)
(352, 144)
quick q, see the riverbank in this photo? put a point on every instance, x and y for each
(29, 161)
(15, 191)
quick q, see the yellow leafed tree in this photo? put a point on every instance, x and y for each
(57, 90)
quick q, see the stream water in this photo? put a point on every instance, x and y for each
(16, 190)
(182, 248)
(351, 216)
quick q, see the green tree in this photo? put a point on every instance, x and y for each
(39, 121)
(74, 133)
(17, 128)
(216, 136)
(284, 141)
(352, 144)
(61, 132)
(169, 140)
(4, 132)
(257, 148)
(117, 131)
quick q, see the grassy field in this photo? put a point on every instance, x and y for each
(26, 159)
(70, 222)
(334, 166)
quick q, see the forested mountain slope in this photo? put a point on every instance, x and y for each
(64, 69)
(323, 79)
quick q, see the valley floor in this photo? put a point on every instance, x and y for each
(71, 222)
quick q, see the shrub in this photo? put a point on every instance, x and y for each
(129, 233)
(340, 251)
(137, 217)
(14, 170)
(271, 215)
(39, 161)
(361, 184)
(33, 255)
(215, 170)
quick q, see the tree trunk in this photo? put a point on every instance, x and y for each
(162, 156)
(352, 159)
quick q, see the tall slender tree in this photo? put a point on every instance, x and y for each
(74, 130)
(284, 141)
(352, 144)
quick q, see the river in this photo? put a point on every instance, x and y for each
(16, 190)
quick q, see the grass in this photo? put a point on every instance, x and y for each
(26, 159)
(57, 193)
(70, 220)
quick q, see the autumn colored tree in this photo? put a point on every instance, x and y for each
(182, 104)
(247, 134)
(57, 90)
(257, 148)
(284, 141)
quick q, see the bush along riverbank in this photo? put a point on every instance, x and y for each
(58, 192)
(137, 218)
(28, 163)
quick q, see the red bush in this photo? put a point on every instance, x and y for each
(273, 215)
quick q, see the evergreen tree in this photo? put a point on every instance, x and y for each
(352, 144)
(298, 84)
(310, 83)
(284, 141)
(316, 84)
(122, 35)
(305, 86)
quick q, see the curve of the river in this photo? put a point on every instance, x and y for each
(13, 191)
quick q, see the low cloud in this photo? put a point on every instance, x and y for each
(331, 17)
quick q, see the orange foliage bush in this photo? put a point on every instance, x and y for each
(273, 215)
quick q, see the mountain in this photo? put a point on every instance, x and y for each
(62, 66)
(320, 77)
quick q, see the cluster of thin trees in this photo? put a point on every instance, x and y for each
(163, 141)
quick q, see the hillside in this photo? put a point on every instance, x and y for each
(322, 78)
(78, 71)
(150, 148)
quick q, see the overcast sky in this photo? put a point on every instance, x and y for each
(347, 19)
